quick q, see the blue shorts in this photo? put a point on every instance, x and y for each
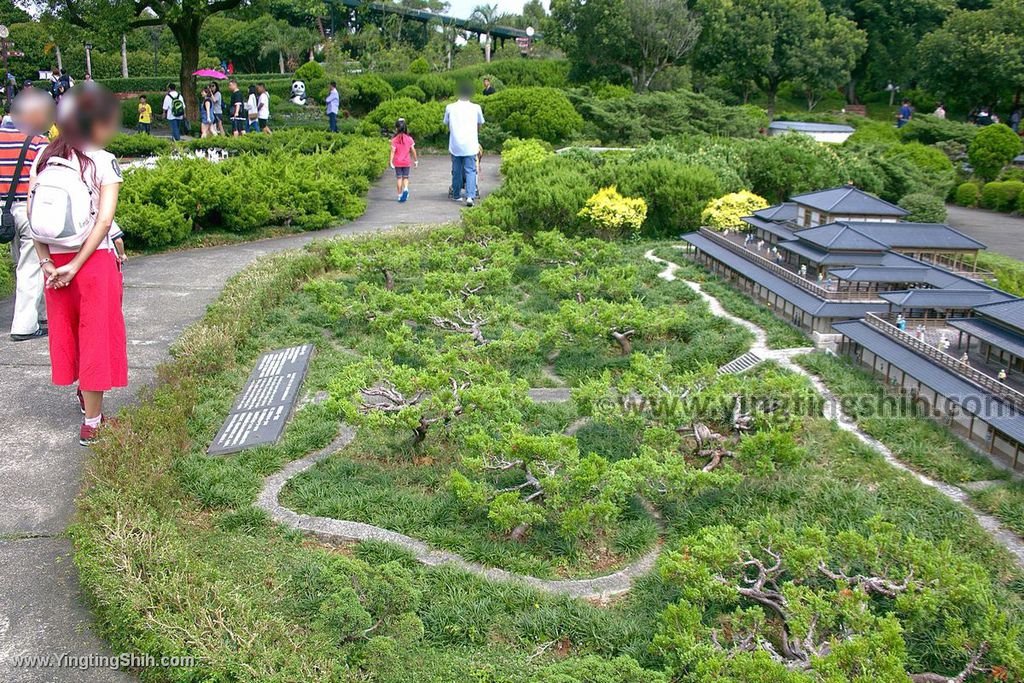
(401, 171)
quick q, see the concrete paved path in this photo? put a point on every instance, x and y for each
(1002, 233)
(41, 612)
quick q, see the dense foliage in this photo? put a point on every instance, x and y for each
(164, 205)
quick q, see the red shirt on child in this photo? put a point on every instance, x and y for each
(401, 147)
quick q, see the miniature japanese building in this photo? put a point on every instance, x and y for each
(904, 299)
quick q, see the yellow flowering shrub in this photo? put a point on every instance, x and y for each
(611, 215)
(727, 210)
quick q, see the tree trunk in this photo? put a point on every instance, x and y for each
(625, 345)
(389, 280)
(320, 27)
(187, 37)
(280, 61)
(124, 56)
(487, 48)
(851, 91)
(60, 58)
(773, 92)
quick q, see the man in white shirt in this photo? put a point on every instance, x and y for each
(174, 110)
(263, 107)
(464, 119)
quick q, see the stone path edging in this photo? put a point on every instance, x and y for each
(335, 530)
(1008, 539)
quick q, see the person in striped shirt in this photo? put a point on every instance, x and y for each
(32, 114)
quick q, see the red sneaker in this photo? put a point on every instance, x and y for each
(87, 435)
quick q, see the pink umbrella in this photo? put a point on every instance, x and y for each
(209, 73)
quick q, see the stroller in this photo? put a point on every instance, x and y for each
(454, 192)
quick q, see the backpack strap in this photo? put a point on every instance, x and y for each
(12, 190)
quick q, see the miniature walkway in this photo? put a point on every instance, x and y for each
(41, 612)
(833, 411)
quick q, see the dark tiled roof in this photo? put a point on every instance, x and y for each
(941, 379)
(1009, 313)
(904, 235)
(778, 229)
(888, 274)
(807, 127)
(843, 258)
(840, 236)
(991, 333)
(786, 211)
(848, 200)
(944, 298)
(790, 292)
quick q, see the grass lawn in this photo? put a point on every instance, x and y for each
(175, 559)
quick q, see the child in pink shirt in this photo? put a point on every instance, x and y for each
(403, 156)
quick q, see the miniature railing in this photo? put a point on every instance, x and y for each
(957, 268)
(990, 384)
(786, 274)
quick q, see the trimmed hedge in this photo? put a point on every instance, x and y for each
(1001, 196)
(967, 194)
(162, 206)
(159, 83)
(924, 208)
(424, 119)
(534, 112)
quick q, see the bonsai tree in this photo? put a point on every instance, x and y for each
(798, 603)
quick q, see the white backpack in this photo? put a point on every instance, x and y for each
(63, 211)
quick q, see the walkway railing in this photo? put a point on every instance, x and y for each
(957, 267)
(993, 386)
(786, 274)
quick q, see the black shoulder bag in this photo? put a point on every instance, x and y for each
(7, 224)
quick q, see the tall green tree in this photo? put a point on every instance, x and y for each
(488, 16)
(894, 30)
(625, 39)
(977, 57)
(830, 59)
(771, 42)
(184, 18)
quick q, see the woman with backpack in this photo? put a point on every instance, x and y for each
(73, 193)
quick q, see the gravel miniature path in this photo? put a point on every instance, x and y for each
(833, 411)
(41, 611)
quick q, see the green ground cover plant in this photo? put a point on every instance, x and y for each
(176, 560)
(163, 206)
(914, 438)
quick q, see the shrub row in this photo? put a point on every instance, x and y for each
(163, 206)
(1006, 196)
(159, 83)
(678, 177)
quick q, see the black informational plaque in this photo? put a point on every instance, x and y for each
(266, 402)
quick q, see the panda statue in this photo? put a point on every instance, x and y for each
(298, 93)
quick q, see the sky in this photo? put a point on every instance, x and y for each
(463, 8)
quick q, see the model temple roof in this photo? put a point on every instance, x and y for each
(944, 298)
(850, 201)
(800, 298)
(991, 333)
(888, 274)
(778, 229)
(904, 235)
(1003, 417)
(808, 127)
(839, 258)
(786, 211)
(839, 236)
(1009, 313)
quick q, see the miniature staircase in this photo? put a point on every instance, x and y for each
(741, 364)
